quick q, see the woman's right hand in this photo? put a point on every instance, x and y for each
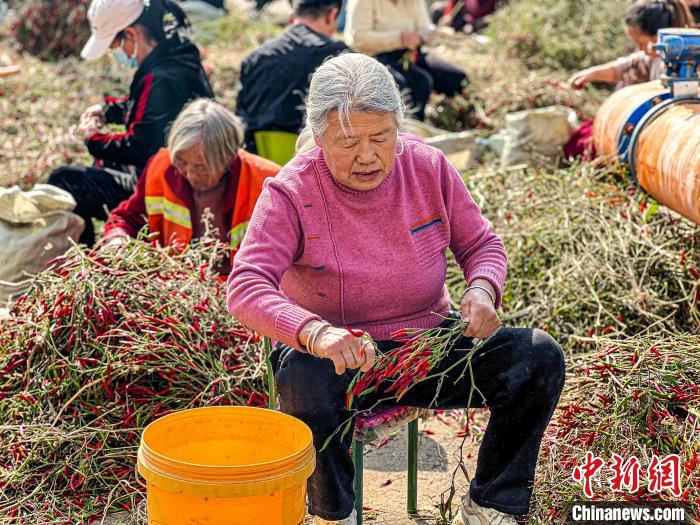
(343, 348)
(580, 79)
(411, 40)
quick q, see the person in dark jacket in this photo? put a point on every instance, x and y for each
(275, 77)
(169, 74)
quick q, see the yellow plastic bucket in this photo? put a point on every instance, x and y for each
(226, 465)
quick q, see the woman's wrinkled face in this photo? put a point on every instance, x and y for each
(642, 40)
(363, 155)
(191, 165)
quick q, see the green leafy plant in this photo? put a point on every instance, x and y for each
(562, 34)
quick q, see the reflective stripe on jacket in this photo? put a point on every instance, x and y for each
(168, 212)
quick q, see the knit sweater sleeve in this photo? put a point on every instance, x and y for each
(270, 246)
(422, 17)
(633, 68)
(478, 250)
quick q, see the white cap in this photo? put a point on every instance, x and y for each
(107, 18)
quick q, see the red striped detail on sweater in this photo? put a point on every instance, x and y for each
(140, 110)
(116, 100)
(422, 222)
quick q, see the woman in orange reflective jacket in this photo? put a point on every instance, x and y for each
(202, 172)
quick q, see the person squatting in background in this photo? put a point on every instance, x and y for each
(168, 74)
(202, 172)
(393, 32)
(275, 77)
(643, 21)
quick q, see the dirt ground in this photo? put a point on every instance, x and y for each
(438, 456)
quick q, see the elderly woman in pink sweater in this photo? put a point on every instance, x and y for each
(353, 233)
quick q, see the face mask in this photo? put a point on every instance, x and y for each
(123, 58)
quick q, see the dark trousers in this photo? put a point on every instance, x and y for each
(95, 191)
(428, 74)
(520, 373)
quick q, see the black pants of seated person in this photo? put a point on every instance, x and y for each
(95, 190)
(428, 74)
(520, 373)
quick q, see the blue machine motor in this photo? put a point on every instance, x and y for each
(679, 48)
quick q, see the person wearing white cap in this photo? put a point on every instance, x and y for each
(168, 74)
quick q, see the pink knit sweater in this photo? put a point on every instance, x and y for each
(372, 260)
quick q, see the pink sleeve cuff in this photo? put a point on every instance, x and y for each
(491, 277)
(289, 323)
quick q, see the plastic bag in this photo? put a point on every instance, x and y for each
(537, 134)
(459, 148)
(277, 12)
(416, 127)
(35, 227)
(200, 10)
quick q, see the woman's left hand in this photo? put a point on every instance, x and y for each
(478, 308)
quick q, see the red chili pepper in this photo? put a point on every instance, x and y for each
(87, 361)
(94, 447)
(155, 411)
(108, 390)
(251, 399)
(76, 480)
(71, 340)
(357, 333)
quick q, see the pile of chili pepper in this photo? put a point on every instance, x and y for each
(636, 396)
(589, 254)
(100, 346)
(52, 30)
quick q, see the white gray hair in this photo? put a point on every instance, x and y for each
(345, 83)
(212, 127)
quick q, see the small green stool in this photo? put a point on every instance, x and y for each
(365, 432)
(277, 146)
